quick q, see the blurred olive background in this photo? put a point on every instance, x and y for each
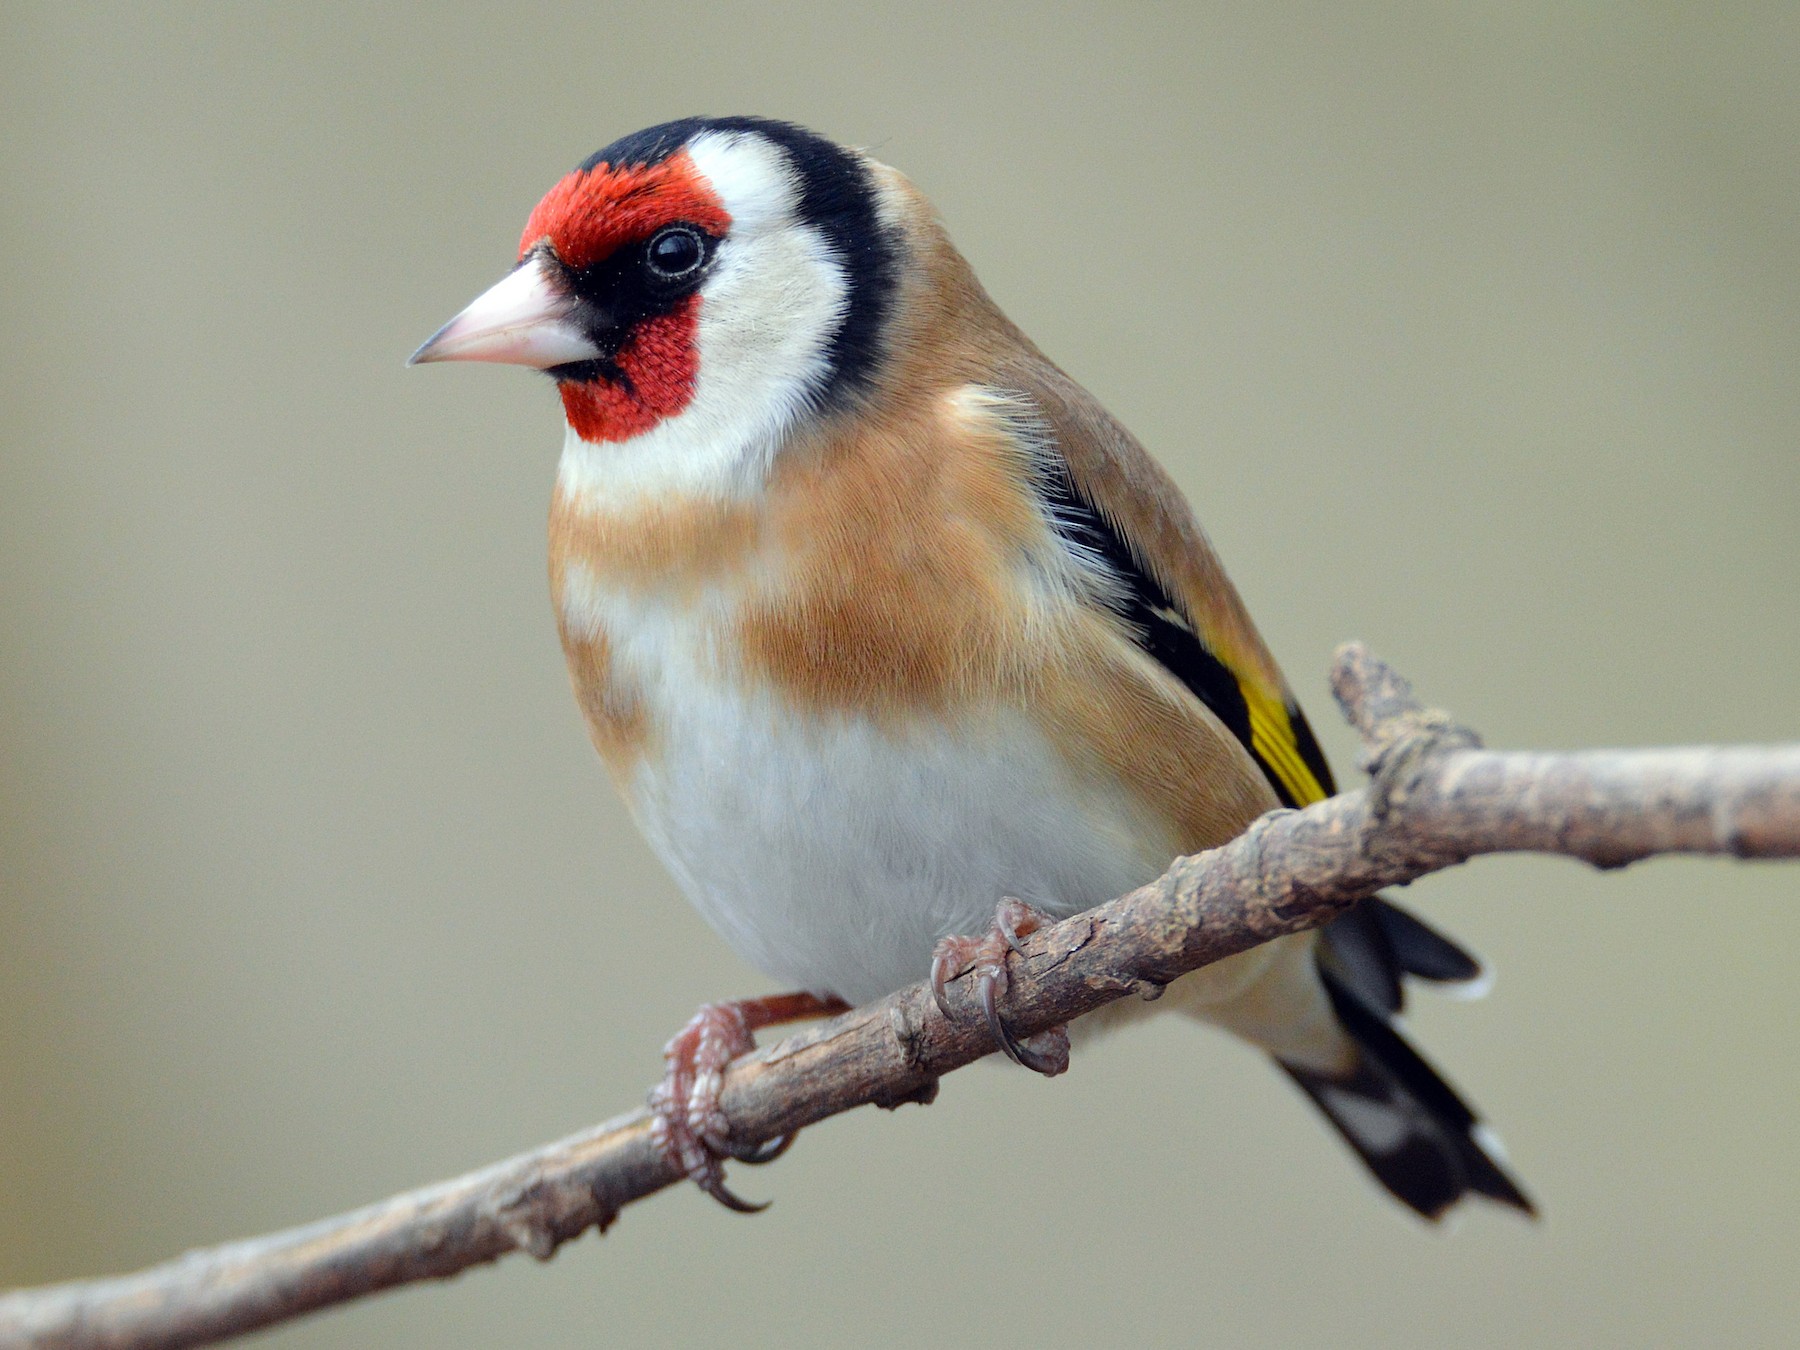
(1473, 331)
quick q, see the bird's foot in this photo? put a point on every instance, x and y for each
(985, 957)
(689, 1128)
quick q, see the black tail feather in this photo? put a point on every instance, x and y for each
(1421, 950)
(1375, 945)
(1408, 1125)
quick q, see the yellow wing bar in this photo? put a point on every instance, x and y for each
(1283, 743)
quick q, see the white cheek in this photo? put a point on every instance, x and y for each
(767, 315)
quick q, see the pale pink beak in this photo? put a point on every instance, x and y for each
(523, 320)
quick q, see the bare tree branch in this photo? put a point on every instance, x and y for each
(1436, 799)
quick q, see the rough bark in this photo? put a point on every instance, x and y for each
(1436, 798)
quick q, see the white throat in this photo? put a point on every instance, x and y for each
(768, 310)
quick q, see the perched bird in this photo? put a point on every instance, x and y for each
(889, 633)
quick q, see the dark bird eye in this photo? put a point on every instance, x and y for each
(675, 253)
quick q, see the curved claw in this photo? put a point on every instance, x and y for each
(688, 1127)
(986, 957)
(1016, 1050)
(940, 975)
(715, 1187)
(766, 1152)
(1002, 1036)
(1006, 921)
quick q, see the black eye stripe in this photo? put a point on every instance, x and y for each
(617, 293)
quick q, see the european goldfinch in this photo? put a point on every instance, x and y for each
(888, 632)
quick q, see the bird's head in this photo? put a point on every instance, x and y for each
(729, 274)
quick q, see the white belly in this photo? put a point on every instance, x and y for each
(833, 851)
(833, 856)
